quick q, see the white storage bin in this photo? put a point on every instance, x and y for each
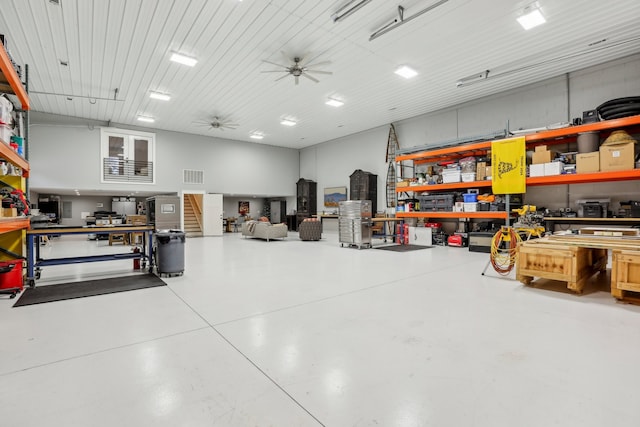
(450, 176)
(5, 133)
(553, 168)
(536, 170)
(471, 207)
(468, 177)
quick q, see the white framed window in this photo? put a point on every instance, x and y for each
(127, 156)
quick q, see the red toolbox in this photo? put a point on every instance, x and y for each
(11, 277)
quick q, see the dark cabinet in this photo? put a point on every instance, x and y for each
(364, 186)
(307, 202)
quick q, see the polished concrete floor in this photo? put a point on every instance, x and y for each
(293, 333)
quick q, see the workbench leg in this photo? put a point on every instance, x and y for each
(31, 258)
(149, 250)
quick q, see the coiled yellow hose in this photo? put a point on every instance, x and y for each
(504, 250)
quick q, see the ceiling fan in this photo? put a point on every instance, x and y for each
(217, 123)
(298, 68)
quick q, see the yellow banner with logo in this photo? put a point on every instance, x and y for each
(508, 166)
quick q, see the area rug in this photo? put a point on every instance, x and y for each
(402, 248)
(89, 288)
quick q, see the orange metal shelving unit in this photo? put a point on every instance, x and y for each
(12, 234)
(555, 136)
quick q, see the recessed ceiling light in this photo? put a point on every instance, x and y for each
(532, 17)
(146, 119)
(406, 72)
(184, 60)
(256, 136)
(159, 95)
(334, 102)
(287, 122)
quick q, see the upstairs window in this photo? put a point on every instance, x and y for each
(127, 156)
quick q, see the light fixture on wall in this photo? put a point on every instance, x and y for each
(531, 17)
(182, 59)
(348, 9)
(159, 95)
(406, 72)
(334, 102)
(288, 122)
(146, 119)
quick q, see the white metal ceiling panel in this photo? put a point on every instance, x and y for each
(125, 45)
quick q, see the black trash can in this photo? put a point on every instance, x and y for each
(169, 252)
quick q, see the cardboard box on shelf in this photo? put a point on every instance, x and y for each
(553, 168)
(542, 156)
(588, 162)
(616, 157)
(9, 212)
(481, 171)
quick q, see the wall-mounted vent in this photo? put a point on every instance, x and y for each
(192, 176)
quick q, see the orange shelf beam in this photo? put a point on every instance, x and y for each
(13, 224)
(6, 152)
(440, 187)
(583, 178)
(483, 214)
(589, 127)
(12, 79)
(457, 150)
(480, 148)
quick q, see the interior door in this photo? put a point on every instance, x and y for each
(212, 215)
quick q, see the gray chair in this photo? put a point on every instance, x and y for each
(237, 225)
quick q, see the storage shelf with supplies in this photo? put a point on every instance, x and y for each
(548, 137)
(12, 227)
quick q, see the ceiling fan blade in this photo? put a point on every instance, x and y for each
(319, 63)
(201, 124)
(303, 59)
(318, 71)
(297, 79)
(274, 71)
(280, 78)
(274, 63)
(311, 78)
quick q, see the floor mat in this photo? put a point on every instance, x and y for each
(402, 248)
(63, 291)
